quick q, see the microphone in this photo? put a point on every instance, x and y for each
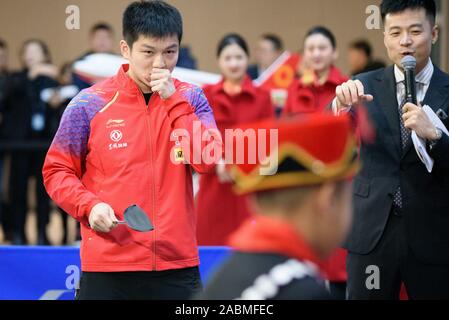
(408, 63)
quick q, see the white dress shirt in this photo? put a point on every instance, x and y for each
(422, 80)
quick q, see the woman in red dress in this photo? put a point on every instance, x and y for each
(234, 101)
(313, 92)
(315, 88)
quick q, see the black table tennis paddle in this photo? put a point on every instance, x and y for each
(136, 219)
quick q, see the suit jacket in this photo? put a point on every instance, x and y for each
(385, 166)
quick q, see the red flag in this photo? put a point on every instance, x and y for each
(279, 76)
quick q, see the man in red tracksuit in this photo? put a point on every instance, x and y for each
(126, 141)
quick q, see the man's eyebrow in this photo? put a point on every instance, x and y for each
(146, 46)
(393, 27)
(415, 25)
(173, 46)
(419, 25)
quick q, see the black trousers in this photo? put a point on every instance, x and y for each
(178, 284)
(396, 263)
(25, 164)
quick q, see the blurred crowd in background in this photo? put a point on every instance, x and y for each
(33, 99)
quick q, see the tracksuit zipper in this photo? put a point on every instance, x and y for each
(153, 175)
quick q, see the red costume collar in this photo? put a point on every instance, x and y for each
(273, 235)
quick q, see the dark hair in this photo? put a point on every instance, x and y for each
(396, 6)
(325, 32)
(101, 26)
(232, 38)
(43, 46)
(275, 40)
(3, 44)
(362, 45)
(151, 19)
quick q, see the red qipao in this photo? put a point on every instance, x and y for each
(219, 210)
(311, 97)
(308, 98)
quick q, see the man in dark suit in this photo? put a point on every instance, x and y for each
(400, 232)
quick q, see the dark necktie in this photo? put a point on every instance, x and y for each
(405, 137)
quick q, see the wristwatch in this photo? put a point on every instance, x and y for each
(439, 134)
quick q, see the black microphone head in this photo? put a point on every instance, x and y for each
(408, 62)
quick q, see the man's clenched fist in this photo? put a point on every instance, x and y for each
(351, 93)
(162, 83)
(102, 218)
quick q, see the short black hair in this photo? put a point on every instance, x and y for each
(3, 44)
(275, 40)
(325, 32)
(232, 38)
(101, 26)
(151, 19)
(397, 6)
(40, 43)
(362, 45)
